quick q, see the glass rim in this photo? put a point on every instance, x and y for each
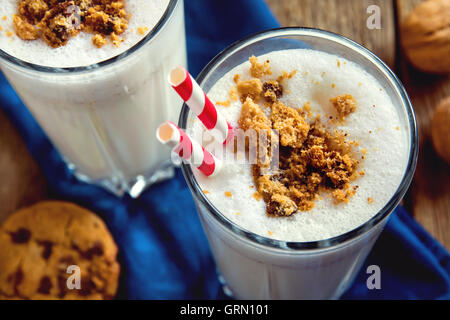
(95, 66)
(354, 233)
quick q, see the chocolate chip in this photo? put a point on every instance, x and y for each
(96, 250)
(22, 235)
(17, 279)
(47, 248)
(87, 286)
(62, 286)
(45, 285)
(273, 87)
(66, 261)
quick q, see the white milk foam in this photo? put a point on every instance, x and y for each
(79, 50)
(386, 147)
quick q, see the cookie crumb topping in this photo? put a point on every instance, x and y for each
(56, 21)
(344, 105)
(314, 157)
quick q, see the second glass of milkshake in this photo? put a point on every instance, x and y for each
(99, 98)
(315, 250)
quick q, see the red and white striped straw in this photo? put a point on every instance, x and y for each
(197, 100)
(188, 149)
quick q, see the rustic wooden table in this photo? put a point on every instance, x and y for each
(429, 196)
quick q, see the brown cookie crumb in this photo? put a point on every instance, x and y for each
(250, 89)
(272, 90)
(291, 127)
(257, 196)
(24, 29)
(115, 39)
(259, 70)
(56, 21)
(254, 118)
(142, 30)
(370, 200)
(233, 94)
(225, 103)
(312, 158)
(286, 75)
(99, 40)
(344, 105)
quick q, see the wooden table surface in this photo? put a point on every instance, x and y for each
(429, 196)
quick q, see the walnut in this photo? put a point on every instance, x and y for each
(426, 36)
(440, 129)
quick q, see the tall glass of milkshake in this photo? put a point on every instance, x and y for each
(93, 74)
(347, 153)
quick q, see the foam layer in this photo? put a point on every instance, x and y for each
(386, 145)
(79, 51)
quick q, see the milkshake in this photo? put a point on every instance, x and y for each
(99, 95)
(302, 247)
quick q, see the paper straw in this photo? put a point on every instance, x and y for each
(188, 149)
(197, 100)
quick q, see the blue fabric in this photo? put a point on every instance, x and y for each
(163, 250)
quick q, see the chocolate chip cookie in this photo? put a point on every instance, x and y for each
(45, 247)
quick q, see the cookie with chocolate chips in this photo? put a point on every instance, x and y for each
(39, 243)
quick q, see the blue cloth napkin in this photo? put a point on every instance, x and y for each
(163, 251)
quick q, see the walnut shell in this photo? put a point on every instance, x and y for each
(426, 36)
(440, 129)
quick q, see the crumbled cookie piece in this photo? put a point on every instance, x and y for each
(59, 20)
(312, 158)
(250, 89)
(281, 205)
(253, 118)
(272, 90)
(225, 103)
(99, 40)
(343, 195)
(24, 29)
(344, 105)
(56, 25)
(142, 30)
(290, 125)
(286, 75)
(115, 39)
(233, 94)
(259, 70)
(257, 196)
(32, 10)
